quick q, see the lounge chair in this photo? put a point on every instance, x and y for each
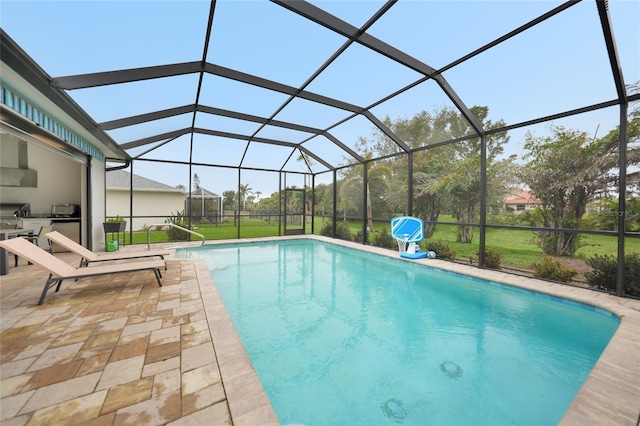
(88, 256)
(60, 271)
(35, 238)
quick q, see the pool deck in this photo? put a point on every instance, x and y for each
(118, 350)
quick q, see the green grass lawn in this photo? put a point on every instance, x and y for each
(519, 248)
(249, 228)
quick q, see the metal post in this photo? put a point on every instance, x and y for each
(622, 190)
(304, 208)
(238, 209)
(483, 200)
(313, 203)
(364, 202)
(88, 212)
(335, 200)
(187, 207)
(616, 71)
(279, 203)
(124, 238)
(284, 203)
(410, 183)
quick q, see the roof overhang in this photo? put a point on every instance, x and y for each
(22, 75)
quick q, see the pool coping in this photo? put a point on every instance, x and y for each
(608, 396)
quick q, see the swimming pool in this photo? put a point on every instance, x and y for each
(339, 336)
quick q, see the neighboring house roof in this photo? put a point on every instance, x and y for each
(520, 196)
(119, 179)
(203, 193)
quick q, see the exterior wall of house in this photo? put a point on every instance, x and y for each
(92, 221)
(513, 208)
(517, 201)
(156, 206)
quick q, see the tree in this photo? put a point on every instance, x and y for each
(323, 194)
(270, 204)
(229, 198)
(294, 207)
(251, 199)
(181, 186)
(245, 190)
(564, 172)
(428, 195)
(307, 162)
(429, 166)
(461, 184)
(607, 217)
(196, 182)
(377, 173)
(612, 147)
(447, 178)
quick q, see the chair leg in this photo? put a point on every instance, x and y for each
(158, 277)
(47, 285)
(16, 260)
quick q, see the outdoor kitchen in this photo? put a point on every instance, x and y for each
(39, 189)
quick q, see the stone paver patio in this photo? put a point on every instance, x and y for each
(119, 350)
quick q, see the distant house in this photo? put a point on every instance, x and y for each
(152, 199)
(517, 201)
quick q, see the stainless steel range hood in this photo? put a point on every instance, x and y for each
(15, 170)
(25, 178)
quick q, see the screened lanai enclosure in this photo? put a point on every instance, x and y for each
(333, 117)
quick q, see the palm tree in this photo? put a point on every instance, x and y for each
(245, 190)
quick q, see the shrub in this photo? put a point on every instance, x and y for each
(442, 249)
(501, 219)
(179, 219)
(492, 257)
(553, 270)
(342, 230)
(384, 239)
(327, 229)
(529, 218)
(605, 269)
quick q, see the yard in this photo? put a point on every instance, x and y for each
(519, 248)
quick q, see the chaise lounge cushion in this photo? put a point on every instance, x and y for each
(60, 271)
(88, 256)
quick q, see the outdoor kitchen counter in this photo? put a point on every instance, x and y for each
(69, 227)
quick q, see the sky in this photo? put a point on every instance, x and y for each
(556, 66)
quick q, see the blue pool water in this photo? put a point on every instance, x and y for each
(343, 337)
